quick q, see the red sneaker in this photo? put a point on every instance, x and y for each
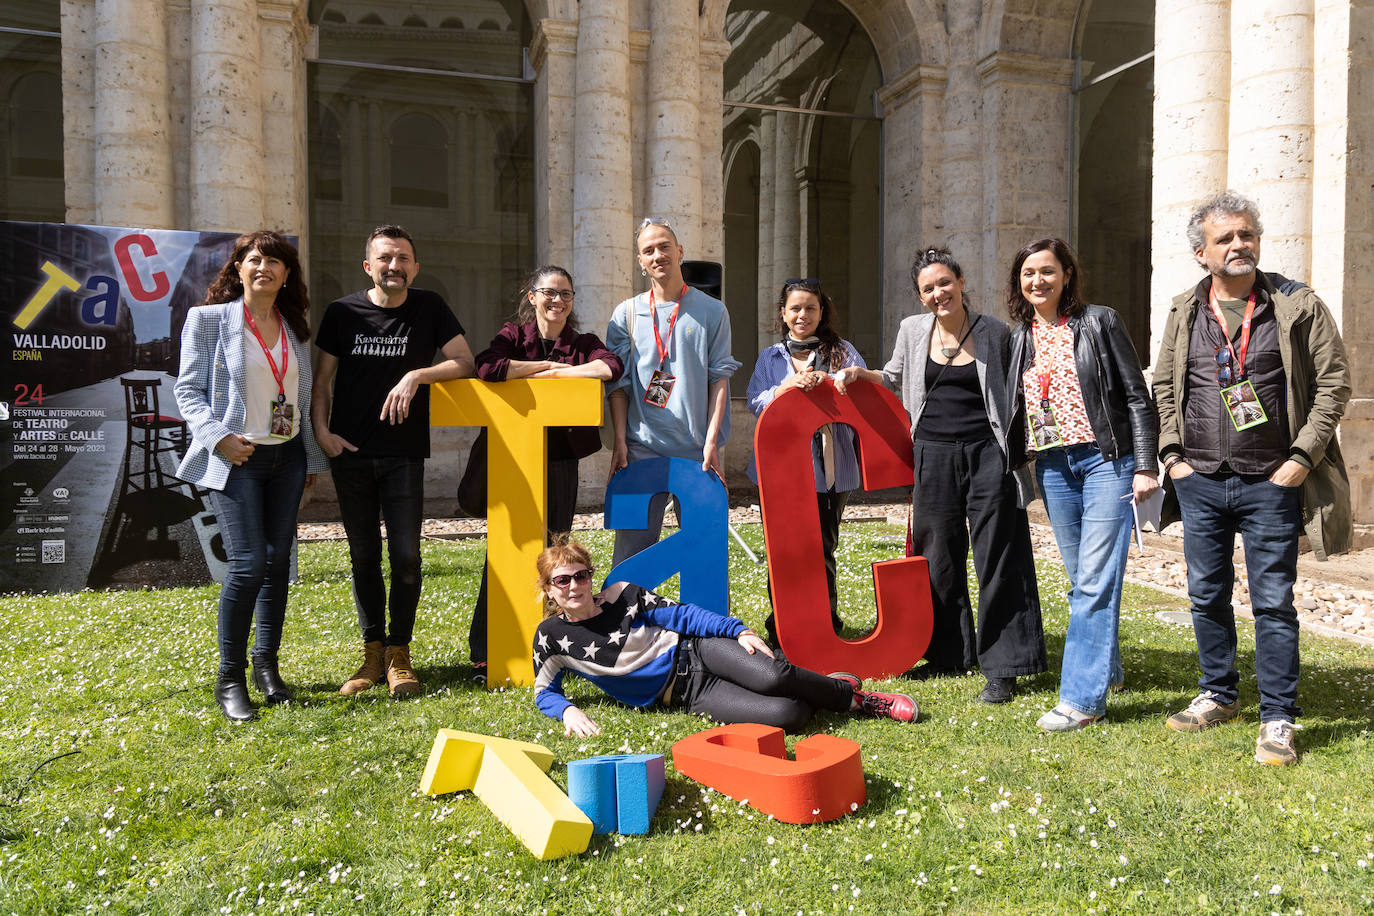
(851, 679)
(897, 706)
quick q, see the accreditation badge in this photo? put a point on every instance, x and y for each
(281, 419)
(660, 386)
(1243, 405)
(1045, 429)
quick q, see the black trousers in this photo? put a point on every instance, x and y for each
(561, 506)
(963, 490)
(716, 676)
(831, 508)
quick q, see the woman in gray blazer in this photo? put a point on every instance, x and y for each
(950, 368)
(244, 390)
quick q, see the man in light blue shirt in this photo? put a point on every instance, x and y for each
(674, 399)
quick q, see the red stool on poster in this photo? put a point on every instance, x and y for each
(151, 431)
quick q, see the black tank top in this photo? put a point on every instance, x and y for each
(954, 410)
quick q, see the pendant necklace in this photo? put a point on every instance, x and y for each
(950, 352)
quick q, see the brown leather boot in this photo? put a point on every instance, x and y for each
(399, 674)
(369, 674)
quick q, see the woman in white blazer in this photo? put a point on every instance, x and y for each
(244, 391)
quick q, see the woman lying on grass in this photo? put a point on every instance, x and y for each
(643, 649)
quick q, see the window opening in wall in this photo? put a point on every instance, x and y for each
(431, 128)
(32, 177)
(1112, 153)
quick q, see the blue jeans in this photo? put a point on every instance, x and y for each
(256, 514)
(1087, 499)
(1269, 519)
(393, 488)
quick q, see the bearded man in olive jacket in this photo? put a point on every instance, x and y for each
(1250, 383)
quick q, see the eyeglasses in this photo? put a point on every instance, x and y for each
(549, 293)
(567, 579)
(1225, 371)
(801, 281)
(653, 221)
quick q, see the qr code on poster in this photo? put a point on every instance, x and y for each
(54, 551)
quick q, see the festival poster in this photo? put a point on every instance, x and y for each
(90, 433)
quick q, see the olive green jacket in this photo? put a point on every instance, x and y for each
(1318, 376)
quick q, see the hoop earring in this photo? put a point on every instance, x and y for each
(643, 272)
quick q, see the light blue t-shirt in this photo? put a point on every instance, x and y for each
(698, 356)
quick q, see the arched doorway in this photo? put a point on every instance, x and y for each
(1113, 144)
(802, 144)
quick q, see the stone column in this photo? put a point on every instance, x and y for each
(710, 125)
(133, 152)
(284, 114)
(673, 148)
(1343, 218)
(767, 163)
(957, 212)
(602, 220)
(1192, 89)
(553, 54)
(227, 168)
(1270, 154)
(911, 120)
(78, 108)
(786, 204)
(1025, 161)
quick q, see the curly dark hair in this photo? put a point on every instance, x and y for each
(832, 350)
(524, 309)
(929, 255)
(293, 300)
(1069, 303)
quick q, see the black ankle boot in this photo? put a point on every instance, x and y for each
(267, 678)
(232, 692)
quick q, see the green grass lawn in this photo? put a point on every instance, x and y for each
(123, 788)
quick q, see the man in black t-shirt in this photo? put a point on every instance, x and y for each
(377, 346)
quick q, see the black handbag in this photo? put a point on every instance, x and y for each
(472, 488)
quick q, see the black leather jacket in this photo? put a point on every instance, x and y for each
(1119, 408)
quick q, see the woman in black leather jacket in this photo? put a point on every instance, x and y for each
(1093, 430)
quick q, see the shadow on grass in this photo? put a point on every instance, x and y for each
(1336, 700)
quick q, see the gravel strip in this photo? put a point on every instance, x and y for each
(1325, 608)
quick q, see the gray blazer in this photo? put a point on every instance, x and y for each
(905, 374)
(209, 391)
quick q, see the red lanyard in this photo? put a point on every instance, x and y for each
(1238, 358)
(662, 343)
(279, 376)
(1043, 364)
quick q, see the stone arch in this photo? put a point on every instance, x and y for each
(904, 34)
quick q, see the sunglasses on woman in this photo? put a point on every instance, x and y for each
(567, 579)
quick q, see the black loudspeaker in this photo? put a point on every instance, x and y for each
(703, 275)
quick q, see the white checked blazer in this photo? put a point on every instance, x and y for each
(209, 391)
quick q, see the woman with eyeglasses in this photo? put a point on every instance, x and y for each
(950, 368)
(543, 342)
(646, 650)
(1077, 378)
(809, 353)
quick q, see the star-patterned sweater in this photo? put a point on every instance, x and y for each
(627, 650)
